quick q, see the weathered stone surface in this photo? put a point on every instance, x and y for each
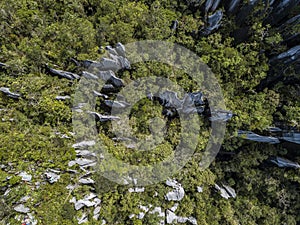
(116, 104)
(291, 137)
(174, 207)
(171, 217)
(98, 94)
(83, 218)
(8, 93)
(215, 5)
(199, 189)
(282, 162)
(59, 97)
(84, 144)
(288, 56)
(111, 50)
(158, 211)
(25, 176)
(255, 137)
(120, 48)
(221, 115)
(52, 177)
(85, 153)
(89, 75)
(81, 162)
(86, 181)
(226, 191)
(109, 64)
(280, 9)
(21, 209)
(109, 88)
(208, 5)
(174, 24)
(24, 199)
(109, 76)
(230, 190)
(213, 23)
(232, 6)
(83, 202)
(177, 194)
(62, 74)
(124, 63)
(191, 103)
(104, 118)
(170, 99)
(136, 189)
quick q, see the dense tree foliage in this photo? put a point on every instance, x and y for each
(36, 34)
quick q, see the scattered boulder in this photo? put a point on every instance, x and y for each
(173, 218)
(21, 209)
(24, 199)
(82, 202)
(62, 74)
(85, 153)
(86, 181)
(83, 218)
(136, 189)
(8, 93)
(199, 189)
(226, 191)
(25, 176)
(81, 162)
(177, 194)
(84, 144)
(174, 208)
(62, 97)
(52, 177)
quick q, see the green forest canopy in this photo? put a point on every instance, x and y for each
(39, 33)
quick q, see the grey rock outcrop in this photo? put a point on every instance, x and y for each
(8, 93)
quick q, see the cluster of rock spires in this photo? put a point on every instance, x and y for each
(273, 12)
(86, 159)
(193, 103)
(277, 136)
(23, 205)
(168, 216)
